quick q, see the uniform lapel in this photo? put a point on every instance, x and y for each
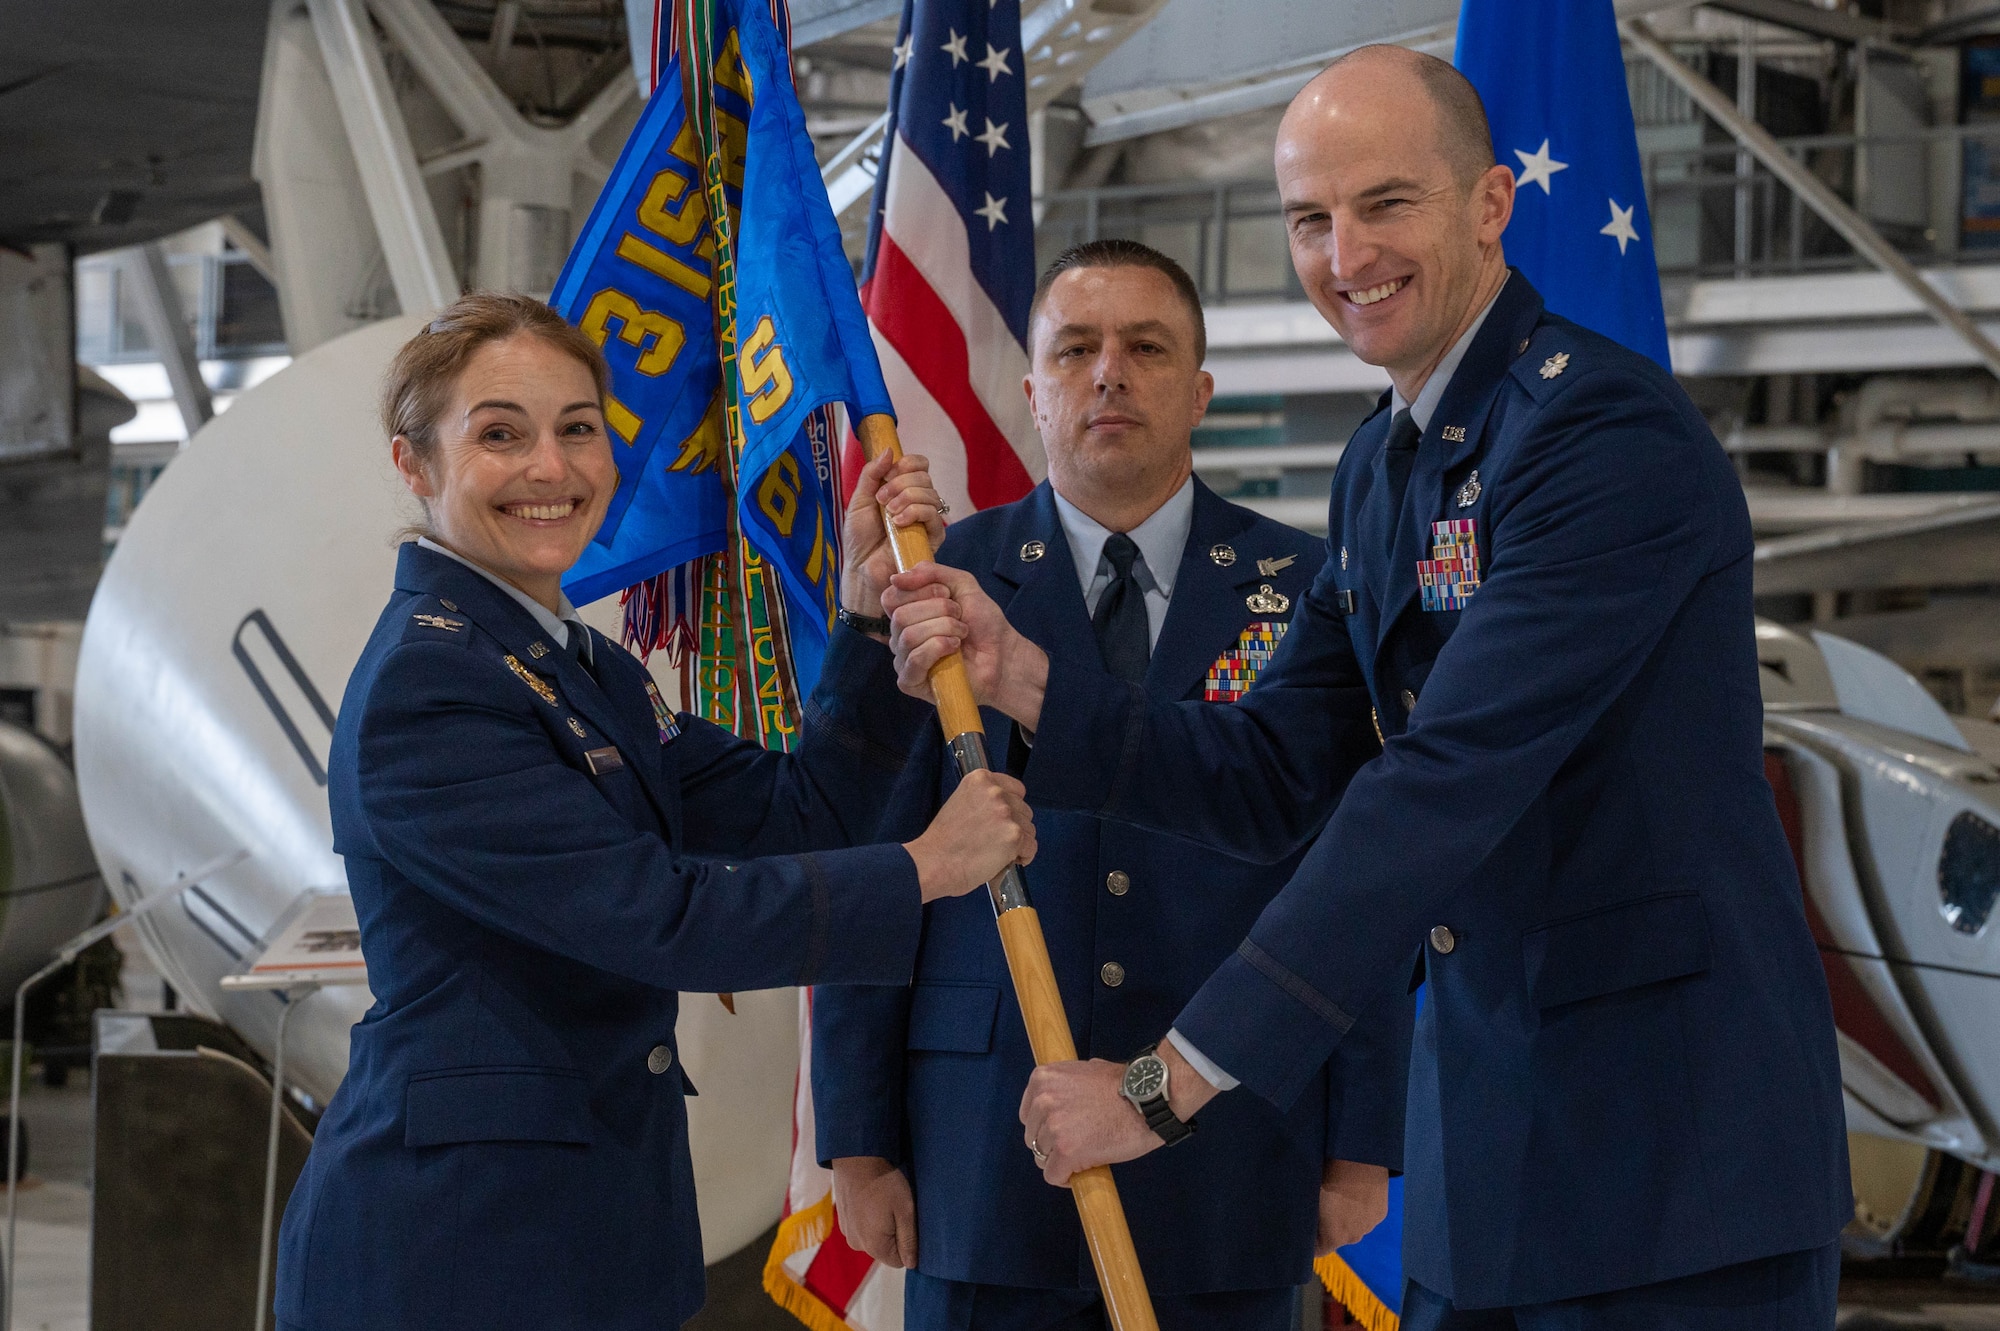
(1462, 411)
(618, 717)
(1206, 612)
(1047, 604)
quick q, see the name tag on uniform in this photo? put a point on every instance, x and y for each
(606, 759)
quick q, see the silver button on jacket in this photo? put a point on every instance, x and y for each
(1443, 939)
(1118, 882)
(659, 1060)
(1112, 973)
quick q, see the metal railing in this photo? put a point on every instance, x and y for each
(1230, 236)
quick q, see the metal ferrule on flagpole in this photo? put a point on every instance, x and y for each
(1126, 1301)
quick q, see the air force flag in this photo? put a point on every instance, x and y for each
(1553, 79)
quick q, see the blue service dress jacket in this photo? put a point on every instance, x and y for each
(930, 1075)
(525, 848)
(1625, 1070)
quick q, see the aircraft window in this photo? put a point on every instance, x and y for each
(1969, 872)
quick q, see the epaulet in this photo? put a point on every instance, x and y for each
(433, 619)
(1548, 360)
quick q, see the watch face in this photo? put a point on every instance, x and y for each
(1145, 1077)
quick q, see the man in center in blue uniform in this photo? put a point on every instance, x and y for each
(1126, 566)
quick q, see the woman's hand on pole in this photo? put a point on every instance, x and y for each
(984, 827)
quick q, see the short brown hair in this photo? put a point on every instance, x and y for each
(1115, 253)
(418, 389)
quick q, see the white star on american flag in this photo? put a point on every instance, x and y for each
(995, 137)
(955, 48)
(995, 63)
(995, 211)
(955, 122)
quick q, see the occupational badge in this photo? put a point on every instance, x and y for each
(1265, 601)
(663, 715)
(1237, 669)
(1271, 568)
(1468, 494)
(576, 727)
(1032, 551)
(1555, 365)
(1223, 555)
(1450, 576)
(439, 622)
(533, 681)
(1343, 558)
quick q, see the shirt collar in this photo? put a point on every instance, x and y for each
(557, 626)
(1161, 539)
(1432, 392)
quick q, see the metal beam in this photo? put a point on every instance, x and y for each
(1958, 547)
(1853, 228)
(420, 265)
(153, 291)
(253, 248)
(1837, 24)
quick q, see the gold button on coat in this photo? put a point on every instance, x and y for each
(1118, 882)
(1443, 939)
(659, 1060)
(1112, 973)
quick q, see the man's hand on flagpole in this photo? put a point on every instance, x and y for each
(935, 611)
(1073, 1116)
(878, 1216)
(1353, 1199)
(902, 487)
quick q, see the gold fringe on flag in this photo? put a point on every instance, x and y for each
(1344, 1285)
(796, 1233)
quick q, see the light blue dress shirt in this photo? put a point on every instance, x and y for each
(557, 626)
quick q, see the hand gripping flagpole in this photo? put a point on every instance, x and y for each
(1104, 1227)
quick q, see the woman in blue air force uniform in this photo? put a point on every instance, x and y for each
(521, 820)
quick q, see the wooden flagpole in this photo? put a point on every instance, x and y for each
(1104, 1227)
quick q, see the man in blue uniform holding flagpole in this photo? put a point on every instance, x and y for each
(1624, 1101)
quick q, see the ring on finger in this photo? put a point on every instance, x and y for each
(1041, 1156)
(944, 509)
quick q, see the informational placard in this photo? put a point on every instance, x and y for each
(317, 941)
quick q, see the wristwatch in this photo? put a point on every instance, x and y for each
(875, 626)
(1145, 1085)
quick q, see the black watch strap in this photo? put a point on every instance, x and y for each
(869, 624)
(1159, 1114)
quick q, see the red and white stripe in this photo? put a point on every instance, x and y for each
(953, 367)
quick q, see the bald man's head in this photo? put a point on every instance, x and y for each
(1463, 136)
(1394, 206)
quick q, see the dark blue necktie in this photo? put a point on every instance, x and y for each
(578, 635)
(1123, 636)
(1400, 457)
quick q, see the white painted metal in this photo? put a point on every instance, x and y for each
(406, 223)
(287, 506)
(165, 321)
(1870, 687)
(323, 243)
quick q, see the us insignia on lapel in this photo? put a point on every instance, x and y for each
(532, 680)
(1237, 668)
(663, 715)
(1454, 434)
(1450, 576)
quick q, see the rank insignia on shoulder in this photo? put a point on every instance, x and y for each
(1468, 494)
(439, 622)
(1223, 555)
(533, 681)
(1032, 550)
(1265, 601)
(1454, 434)
(1271, 568)
(1237, 669)
(1555, 365)
(663, 715)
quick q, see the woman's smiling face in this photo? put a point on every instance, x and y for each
(522, 472)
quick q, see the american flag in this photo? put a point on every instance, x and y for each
(950, 264)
